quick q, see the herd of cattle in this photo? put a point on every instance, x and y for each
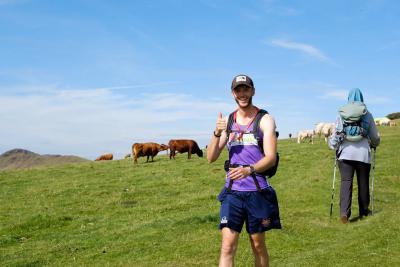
(325, 129)
(322, 129)
(385, 122)
(151, 150)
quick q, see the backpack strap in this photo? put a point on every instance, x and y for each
(256, 128)
(360, 127)
(230, 123)
(354, 121)
(253, 175)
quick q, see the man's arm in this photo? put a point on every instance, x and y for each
(217, 144)
(267, 126)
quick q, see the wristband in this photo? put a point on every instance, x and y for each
(252, 170)
(216, 135)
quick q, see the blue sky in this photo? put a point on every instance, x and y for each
(89, 77)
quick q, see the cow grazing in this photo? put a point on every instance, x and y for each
(328, 130)
(146, 149)
(382, 121)
(325, 129)
(183, 146)
(305, 134)
(108, 156)
(318, 128)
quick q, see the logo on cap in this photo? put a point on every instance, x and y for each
(241, 78)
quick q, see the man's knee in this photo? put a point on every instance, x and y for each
(258, 243)
(228, 249)
(259, 247)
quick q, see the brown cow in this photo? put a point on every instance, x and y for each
(146, 149)
(183, 146)
(108, 156)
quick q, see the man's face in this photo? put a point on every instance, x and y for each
(243, 95)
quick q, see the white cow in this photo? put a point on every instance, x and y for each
(325, 129)
(305, 134)
(318, 128)
(382, 121)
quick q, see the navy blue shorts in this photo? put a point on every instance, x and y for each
(259, 210)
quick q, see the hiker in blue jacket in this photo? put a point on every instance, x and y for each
(354, 137)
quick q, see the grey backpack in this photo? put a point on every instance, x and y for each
(355, 123)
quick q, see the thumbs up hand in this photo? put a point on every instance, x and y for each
(221, 124)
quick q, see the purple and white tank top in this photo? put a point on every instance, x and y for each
(245, 151)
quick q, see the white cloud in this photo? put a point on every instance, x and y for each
(379, 100)
(341, 94)
(275, 7)
(147, 85)
(336, 94)
(304, 48)
(90, 122)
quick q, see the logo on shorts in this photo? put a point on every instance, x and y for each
(265, 222)
(224, 220)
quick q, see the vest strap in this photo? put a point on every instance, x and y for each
(252, 175)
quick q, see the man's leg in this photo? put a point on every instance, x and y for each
(230, 240)
(257, 241)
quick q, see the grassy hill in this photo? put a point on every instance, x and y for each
(24, 159)
(165, 213)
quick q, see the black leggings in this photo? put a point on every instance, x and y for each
(347, 168)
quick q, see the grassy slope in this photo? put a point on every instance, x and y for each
(166, 213)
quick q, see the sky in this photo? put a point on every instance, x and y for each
(92, 76)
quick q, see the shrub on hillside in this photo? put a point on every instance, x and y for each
(393, 116)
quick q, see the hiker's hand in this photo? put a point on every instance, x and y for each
(341, 137)
(221, 124)
(239, 173)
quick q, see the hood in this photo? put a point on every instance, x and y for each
(355, 95)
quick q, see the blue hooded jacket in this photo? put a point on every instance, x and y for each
(355, 95)
(350, 150)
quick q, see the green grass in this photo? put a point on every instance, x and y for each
(165, 213)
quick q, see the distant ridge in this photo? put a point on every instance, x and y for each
(22, 159)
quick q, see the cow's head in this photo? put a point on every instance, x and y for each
(200, 153)
(163, 147)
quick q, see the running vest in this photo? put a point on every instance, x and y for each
(244, 149)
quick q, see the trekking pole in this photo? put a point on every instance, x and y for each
(333, 187)
(372, 181)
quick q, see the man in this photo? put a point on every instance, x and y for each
(247, 196)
